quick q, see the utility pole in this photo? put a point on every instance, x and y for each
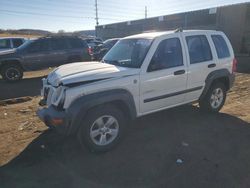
(146, 12)
(96, 16)
(96, 13)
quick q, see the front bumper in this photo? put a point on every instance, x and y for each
(55, 119)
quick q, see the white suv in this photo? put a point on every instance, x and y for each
(140, 75)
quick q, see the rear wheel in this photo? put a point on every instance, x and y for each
(12, 72)
(102, 128)
(214, 99)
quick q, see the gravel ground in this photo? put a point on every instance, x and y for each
(180, 147)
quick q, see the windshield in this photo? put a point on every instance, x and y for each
(128, 52)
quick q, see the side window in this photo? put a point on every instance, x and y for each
(17, 42)
(4, 43)
(220, 46)
(39, 46)
(58, 44)
(167, 55)
(76, 43)
(198, 48)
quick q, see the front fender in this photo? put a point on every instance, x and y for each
(79, 108)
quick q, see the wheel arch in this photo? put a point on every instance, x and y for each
(11, 61)
(121, 98)
(222, 75)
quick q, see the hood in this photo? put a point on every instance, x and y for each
(87, 71)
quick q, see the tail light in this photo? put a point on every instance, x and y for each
(234, 68)
(89, 50)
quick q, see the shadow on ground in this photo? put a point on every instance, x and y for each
(215, 153)
(26, 87)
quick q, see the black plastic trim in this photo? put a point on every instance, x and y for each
(172, 94)
(85, 82)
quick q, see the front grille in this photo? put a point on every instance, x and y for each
(48, 91)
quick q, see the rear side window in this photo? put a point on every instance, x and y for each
(167, 55)
(5, 43)
(17, 42)
(220, 46)
(58, 44)
(199, 49)
(76, 43)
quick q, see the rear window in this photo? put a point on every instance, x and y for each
(199, 49)
(220, 46)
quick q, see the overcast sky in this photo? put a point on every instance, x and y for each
(72, 15)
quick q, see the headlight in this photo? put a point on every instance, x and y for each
(58, 96)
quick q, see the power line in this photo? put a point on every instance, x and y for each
(42, 8)
(56, 15)
(117, 13)
(54, 19)
(43, 14)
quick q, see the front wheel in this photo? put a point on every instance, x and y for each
(102, 128)
(214, 99)
(12, 73)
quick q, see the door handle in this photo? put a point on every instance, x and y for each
(179, 72)
(211, 65)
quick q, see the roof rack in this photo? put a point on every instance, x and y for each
(178, 30)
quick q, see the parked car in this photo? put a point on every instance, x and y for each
(100, 50)
(140, 75)
(8, 43)
(92, 43)
(42, 53)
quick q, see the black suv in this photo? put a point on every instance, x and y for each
(42, 53)
(100, 50)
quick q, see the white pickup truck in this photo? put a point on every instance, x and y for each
(140, 75)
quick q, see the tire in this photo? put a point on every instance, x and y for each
(214, 99)
(93, 132)
(12, 72)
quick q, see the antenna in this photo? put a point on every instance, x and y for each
(146, 12)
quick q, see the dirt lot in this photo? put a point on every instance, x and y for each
(18, 35)
(214, 150)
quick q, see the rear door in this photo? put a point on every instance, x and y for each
(163, 84)
(59, 51)
(78, 50)
(200, 62)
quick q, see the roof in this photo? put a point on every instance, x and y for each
(12, 37)
(151, 35)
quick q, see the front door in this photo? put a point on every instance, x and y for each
(37, 55)
(164, 83)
